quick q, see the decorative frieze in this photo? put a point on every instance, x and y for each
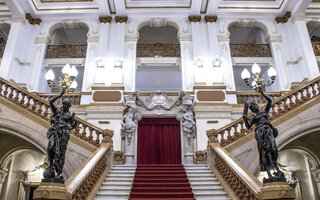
(195, 18)
(283, 19)
(66, 51)
(33, 21)
(210, 19)
(121, 19)
(158, 50)
(105, 20)
(250, 50)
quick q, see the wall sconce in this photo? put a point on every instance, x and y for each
(217, 61)
(258, 79)
(118, 63)
(198, 62)
(67, 83)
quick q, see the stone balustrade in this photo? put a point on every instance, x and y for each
(282, 105)
(32, 102)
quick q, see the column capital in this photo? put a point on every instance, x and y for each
(31, 20)
(105, 20)
(121, 19)
(210, 19)
(93, 38)
(42, 40)
(274, 38)
(283, 19)
(298, 17)
(194, 18)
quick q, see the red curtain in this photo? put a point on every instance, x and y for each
(159, 141)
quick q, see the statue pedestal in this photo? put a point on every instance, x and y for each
(277, 190)
(50, 191)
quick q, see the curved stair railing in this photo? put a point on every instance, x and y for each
(35, 104)
(281, 106)
(239, 183)
(86, 181)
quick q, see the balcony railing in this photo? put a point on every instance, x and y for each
(74, 97)
(250, 50)
(158, 50)
(316, 48)
(242, 97)
(66, 51)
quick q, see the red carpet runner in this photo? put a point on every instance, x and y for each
(161, 182)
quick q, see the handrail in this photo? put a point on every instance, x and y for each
(285, 103)
(74, 97)
(32, 102)
(243, 184)
(91, 174)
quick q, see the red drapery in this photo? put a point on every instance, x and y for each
(159, 141)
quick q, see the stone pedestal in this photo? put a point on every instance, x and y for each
(50, 191)
(277, 190)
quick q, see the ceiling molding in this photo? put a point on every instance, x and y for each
(254, 7)
(155, 2)
(56, 9)
(64, 1)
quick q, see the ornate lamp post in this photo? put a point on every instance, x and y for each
(68, 83)
(258, 79)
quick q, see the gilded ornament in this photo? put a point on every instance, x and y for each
(195, 18)
(106, 19)
(210, 19)
(31, 20)
(283, 19)
(121, 19)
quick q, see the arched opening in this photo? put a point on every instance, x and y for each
(68, 45)
(21, 167)
(4, 33)
(158, 58)
(299, 160)
(314, 33)
(248, 45)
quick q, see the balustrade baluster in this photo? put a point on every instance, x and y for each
(90, 135)
(98, 138)
(1, 85)
(223, 141)
(242, 130)
(34, 105)
(16, 99)
(236, 133)
(84, 132)
(5, 90)
(28, 102)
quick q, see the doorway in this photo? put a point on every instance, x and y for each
(159, 141)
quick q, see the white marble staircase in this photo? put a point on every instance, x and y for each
(204, 184)
(117, 185)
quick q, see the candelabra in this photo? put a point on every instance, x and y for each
(67, 83)
(258, 79)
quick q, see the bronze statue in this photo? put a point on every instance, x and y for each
(59, 133)
(265, 135)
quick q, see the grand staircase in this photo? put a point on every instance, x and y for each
(204, 184)
(161, 182)
(117, 184)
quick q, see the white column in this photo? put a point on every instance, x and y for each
(37, 64)
(215, 73)
(12, 46)
(300, 27)
(119, 47)
(101, 74)
(90, 64)
(226, 66)
(186, 63)
(280, 63)
(129, 65)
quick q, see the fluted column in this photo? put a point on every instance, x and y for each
(12, 46)
(280, 63)
(300, 27)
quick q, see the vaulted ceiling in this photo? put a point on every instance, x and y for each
(84, 8)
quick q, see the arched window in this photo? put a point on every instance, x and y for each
(158, 54)
(68, 45)
(248, 45)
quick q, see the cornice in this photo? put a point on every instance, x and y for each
(105, 20)
(33, 21)
(210, 19)
(194, 18)
(121, 19)
(283, 19)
